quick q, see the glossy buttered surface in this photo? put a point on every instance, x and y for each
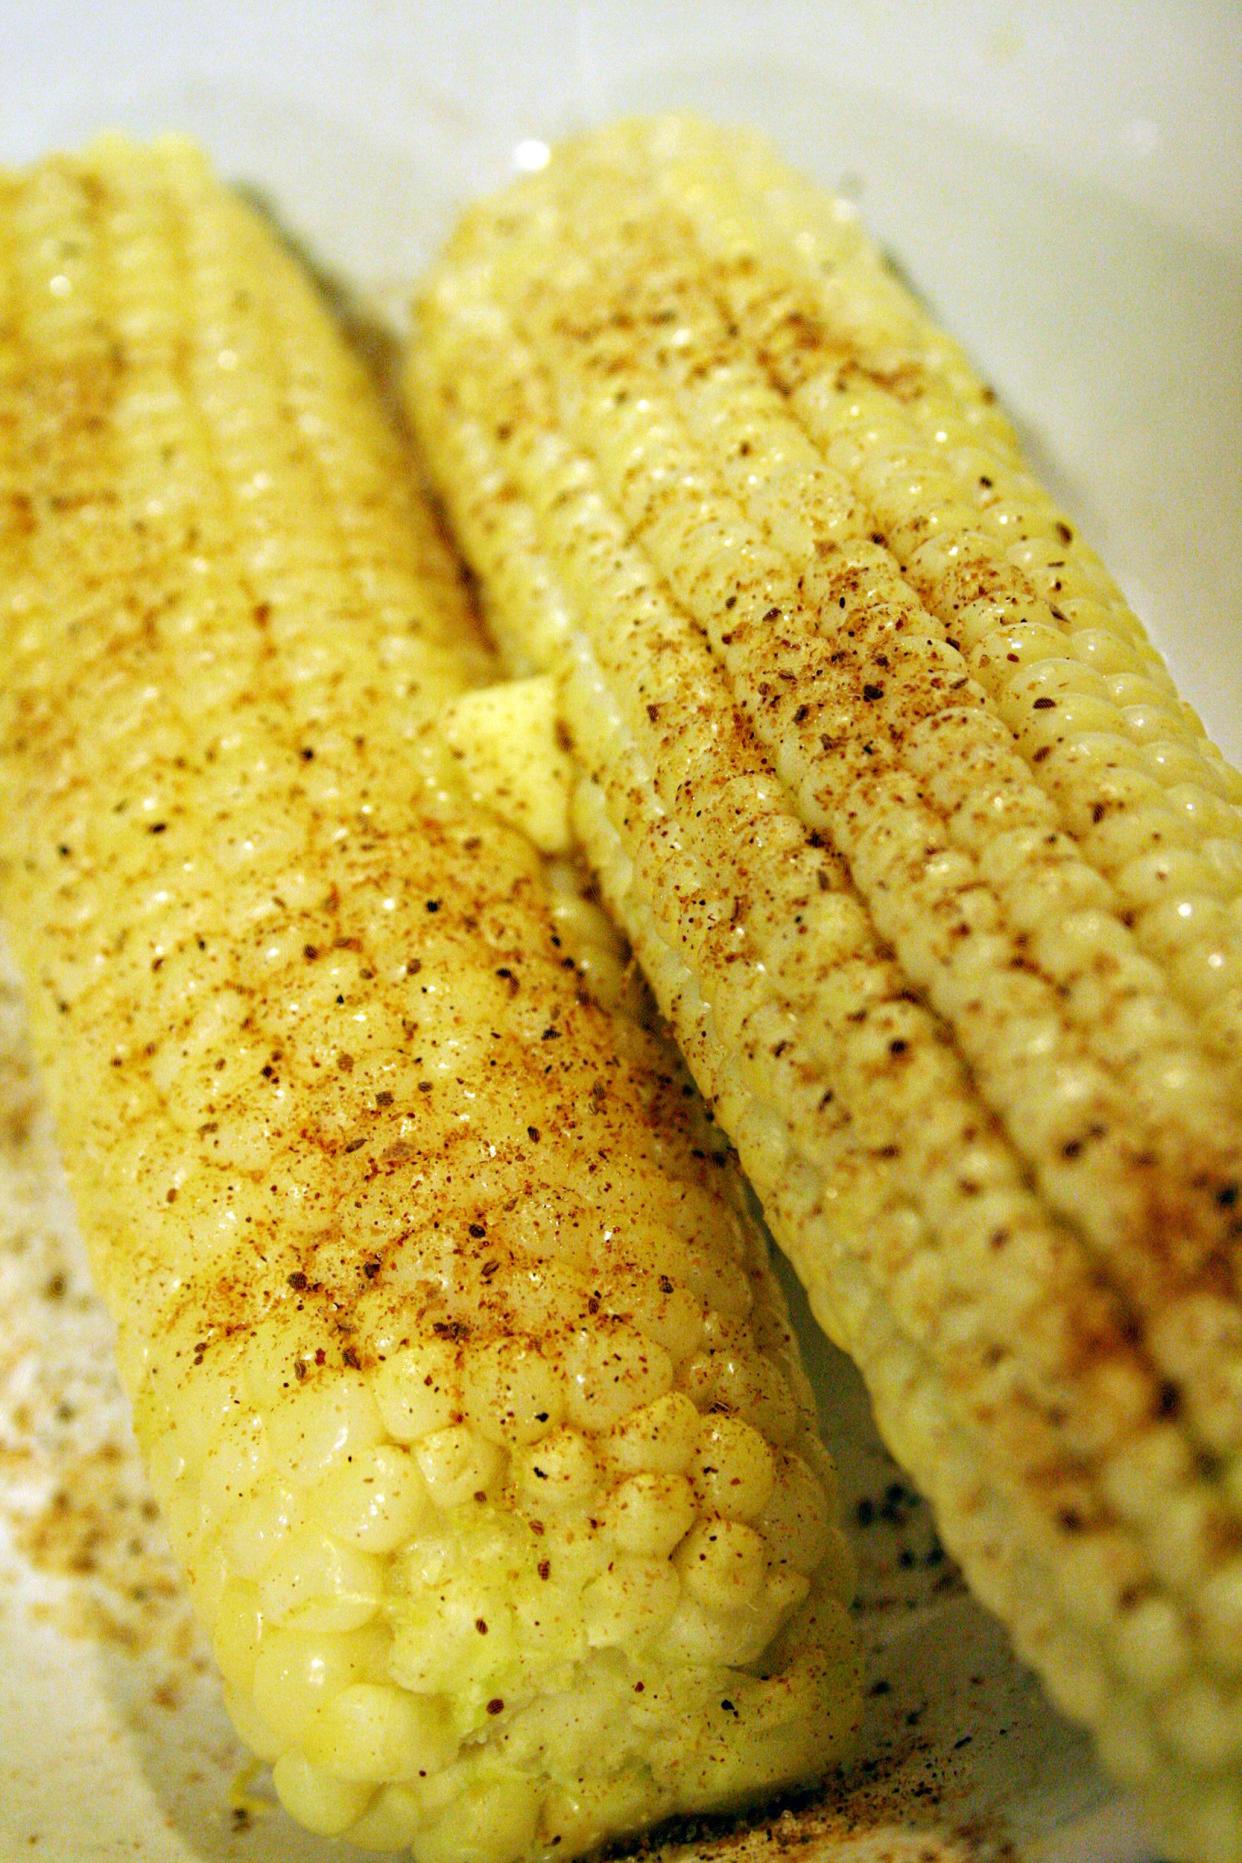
(1085, 255)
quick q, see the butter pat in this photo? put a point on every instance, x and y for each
(504, 742)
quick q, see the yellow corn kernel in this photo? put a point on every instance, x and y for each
(649, 1513)
(373, 1734)
(376, 1500)
(732, 1470)
(320, 1423)
(512, 1394)
(659, 1437)
(417, 1390)
(294, 1673)
(457, 1464)
(236, 1632)
(560, 1471)
(391, 1821)
(723, 1563)
(318, 1799)
(631, 1602)
(496, 1825)
(316, 1583)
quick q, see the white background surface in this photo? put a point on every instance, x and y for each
(1064, 184)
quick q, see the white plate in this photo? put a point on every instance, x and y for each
(1063, 184)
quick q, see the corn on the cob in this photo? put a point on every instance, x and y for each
(462, 1378)
(935, 877)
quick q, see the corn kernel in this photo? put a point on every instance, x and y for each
(660, 1437)
(375, 1499)
(418, 1391)
(511, 1391)
(262, 1526)
(316, 1583)
(295, 1672)
(649, 1513)
(631, 1602)
(457, 1464)
(371, 1733)
(391, 1821)
(723, 1563)
(250, 1727)
(732, 1471)
(494, 1823)
(612, 1372)
(317, 1799)
(320, 1422)
(558, 1472)
(794, 1519)
(233, 1465)
(235, 1634)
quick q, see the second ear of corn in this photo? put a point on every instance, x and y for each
(461, 1377)
(935, 876)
